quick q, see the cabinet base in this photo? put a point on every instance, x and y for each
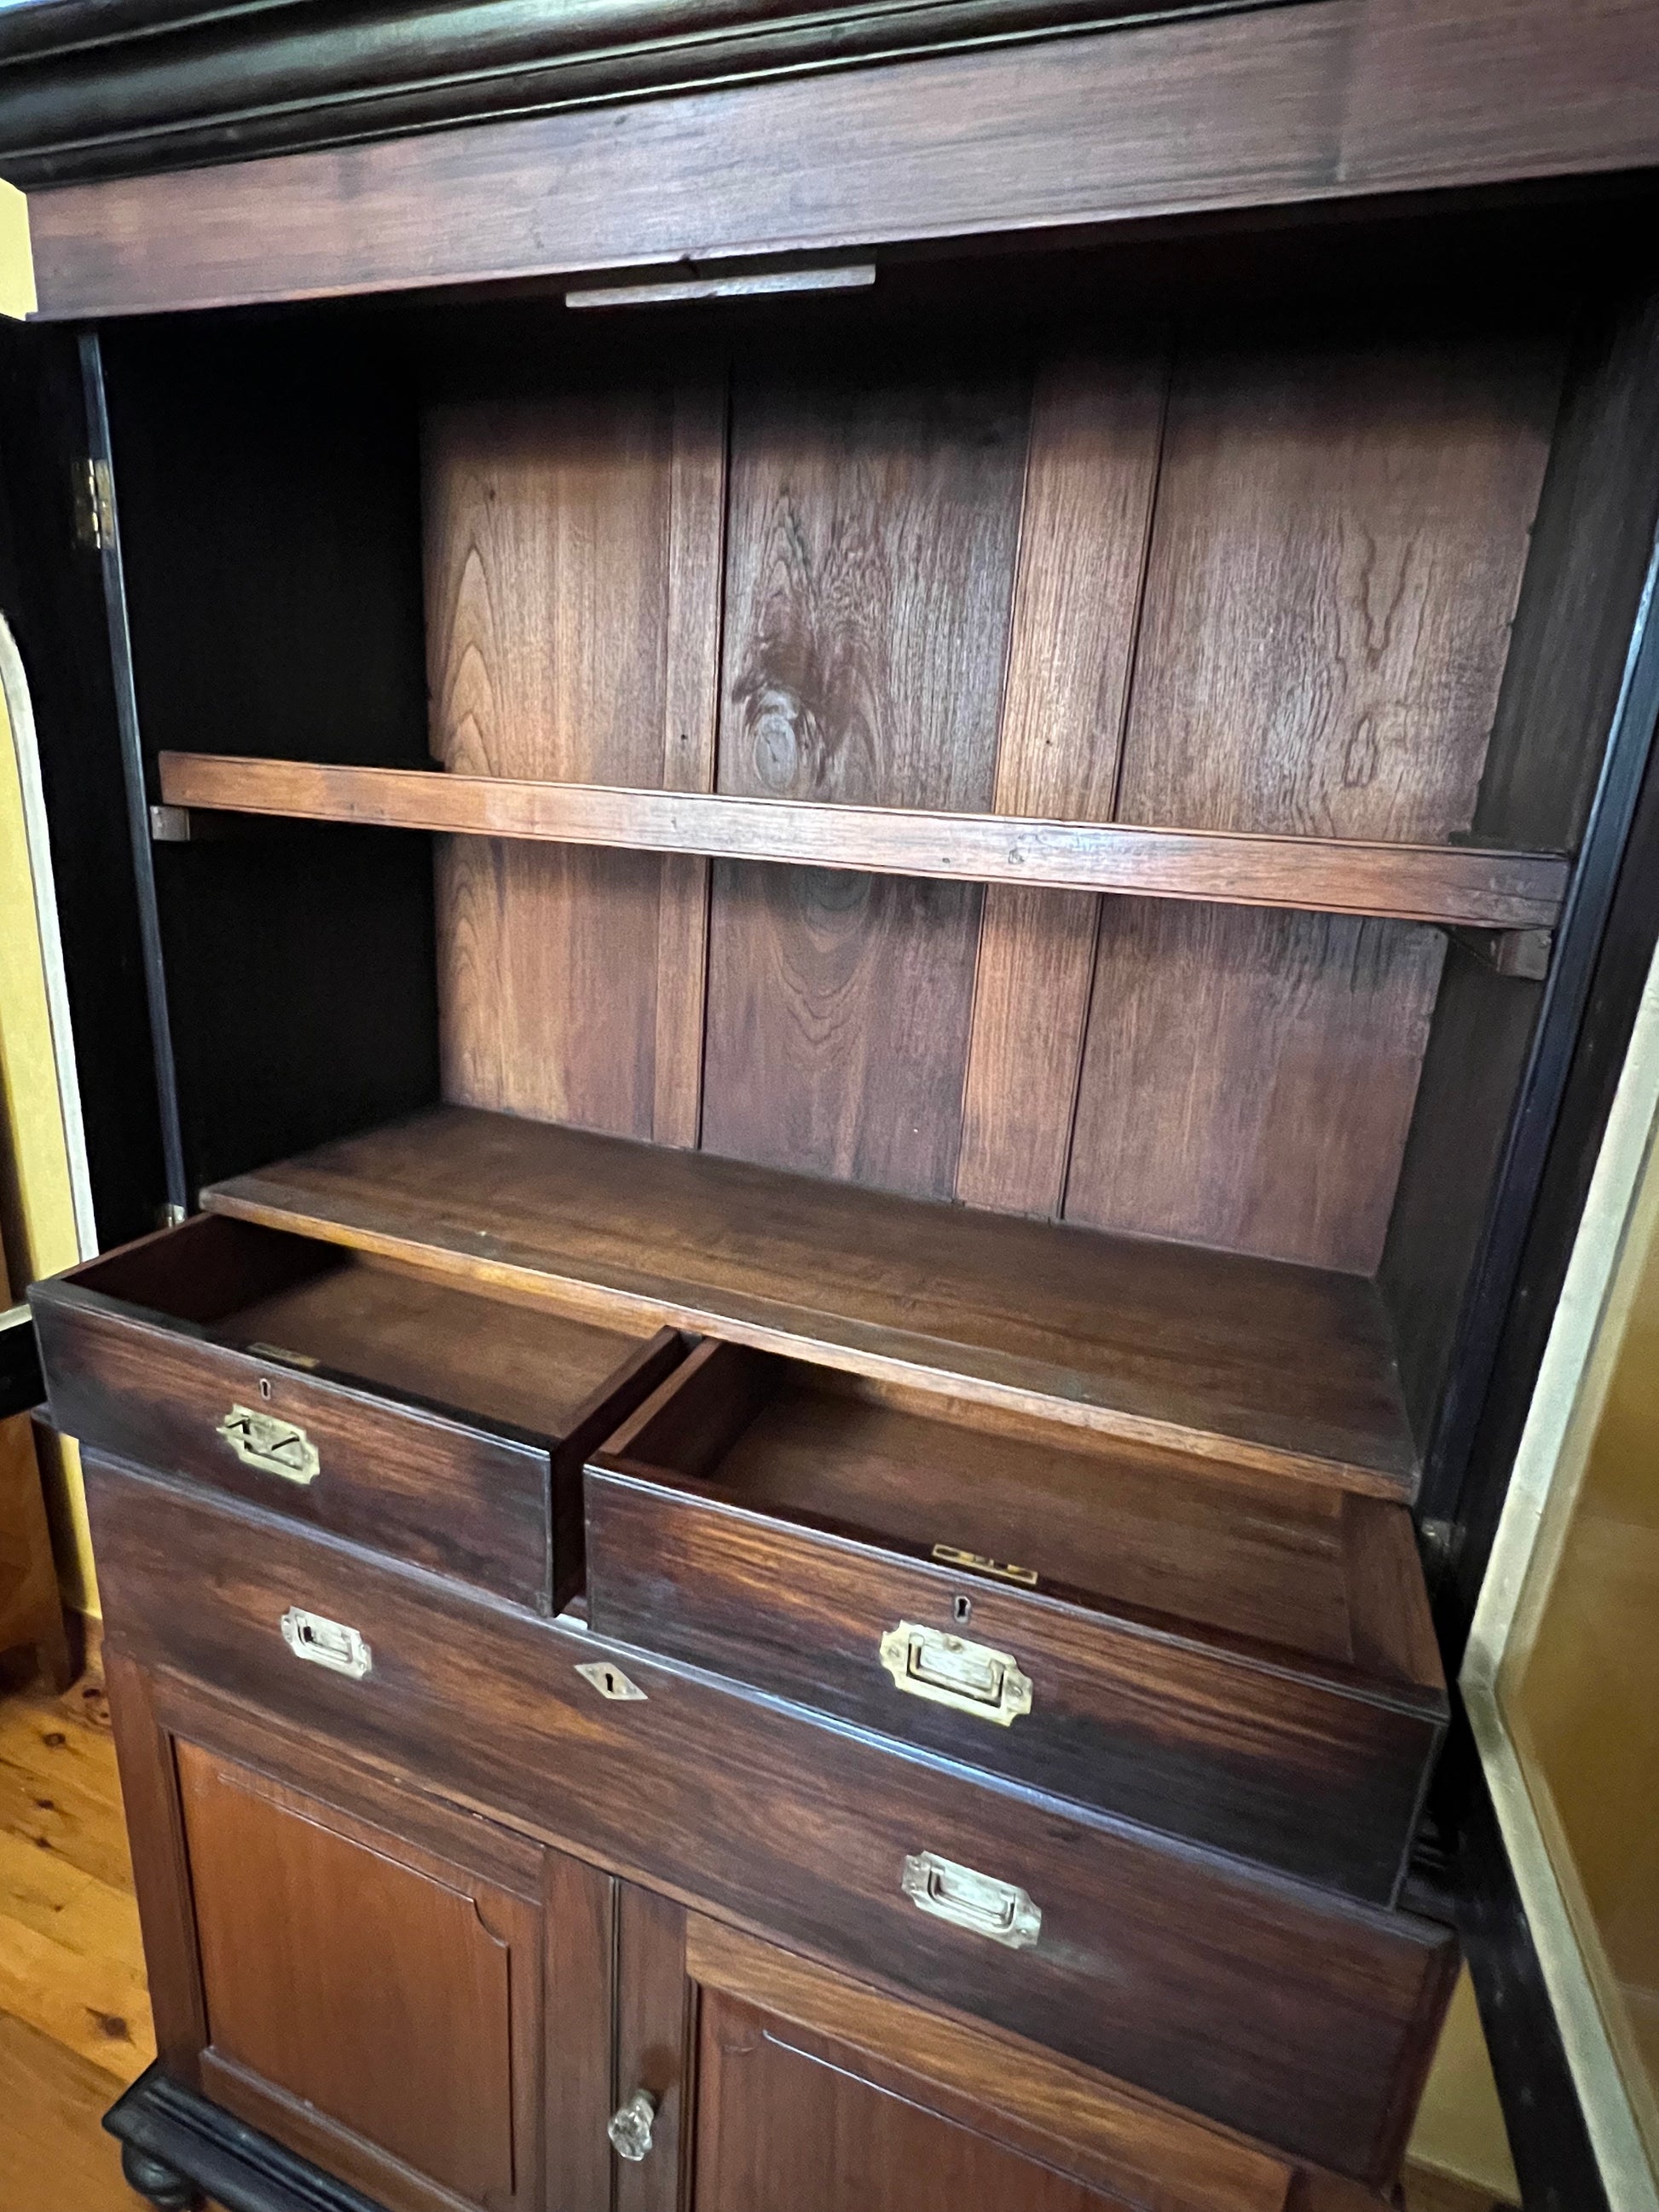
(177, 2145)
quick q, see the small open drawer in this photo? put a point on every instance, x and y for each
(1235, 1658)
(369, 1399)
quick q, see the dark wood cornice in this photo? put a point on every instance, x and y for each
(97, 88)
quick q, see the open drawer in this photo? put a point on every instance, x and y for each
(1244, 1661)
(441, 1426)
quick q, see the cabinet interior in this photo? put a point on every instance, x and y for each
(1146, 1533)
(298, 1302)
(1265, 532)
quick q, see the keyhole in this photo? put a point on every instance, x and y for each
(960, 1608)
(264, 1387)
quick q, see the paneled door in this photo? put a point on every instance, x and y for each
(410, 1998)
(813, 2093)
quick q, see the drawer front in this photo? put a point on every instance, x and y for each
(446, 1494)
(1299, 2017)
(1311, 1776)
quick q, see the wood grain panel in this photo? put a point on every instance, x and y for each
(1031, 987)
(354, 1974)
(1338, 550)
(547, 537)
(696, 519)
(1270, 2006)
(653, 2000)
(1090, 469)
(549, 531)
(838, 1010)
(547, 542)
(788, 2117)
(1086, 2124)
(873, 538)
(1590, 553)
(31, 1611)
(1097, 423)
(581, 1909)
(1248, 1077)
(161, 1875)
(871, 547)
(1328, 100)
(1473, 1065)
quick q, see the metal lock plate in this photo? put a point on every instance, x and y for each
(948, 1670)
(326, 1643)
(611, 1682)
(274, 1447)
(1001, 1910)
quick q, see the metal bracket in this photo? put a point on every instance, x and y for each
(193, 825)
(1524, 952)
(741, 284)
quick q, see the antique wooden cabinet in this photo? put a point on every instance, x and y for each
(873, 815)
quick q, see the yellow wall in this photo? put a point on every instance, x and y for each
(40, 1204)
(16, 261)
(1460, 2123)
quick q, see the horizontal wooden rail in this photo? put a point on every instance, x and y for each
(1449, 884)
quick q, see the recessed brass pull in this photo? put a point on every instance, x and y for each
(274, 1447)
(1001, 1910)
(948, 1670)
(326, 1643)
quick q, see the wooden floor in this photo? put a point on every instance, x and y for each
(75, 2025)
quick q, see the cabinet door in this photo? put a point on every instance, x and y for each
(364, 1974)
(361, 1987)
(812, 2091)
(787, 2117)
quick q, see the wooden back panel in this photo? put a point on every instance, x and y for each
(571, 635)
(1261, 585)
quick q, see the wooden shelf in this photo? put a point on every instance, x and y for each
(1448, 884)
(1252, 1362)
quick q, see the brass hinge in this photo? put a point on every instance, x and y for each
(94, 506)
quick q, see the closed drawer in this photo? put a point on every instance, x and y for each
(1244, 1661)
(1300, 2017)
(444, 1427)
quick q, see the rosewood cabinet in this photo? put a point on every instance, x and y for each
(438, 2008)
(876, 812)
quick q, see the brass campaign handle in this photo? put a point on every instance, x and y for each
(948, 1670)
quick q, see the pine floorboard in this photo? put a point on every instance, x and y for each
(75, 2025)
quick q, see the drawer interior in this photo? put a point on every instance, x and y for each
(1145, 1534)
(313, 1305)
